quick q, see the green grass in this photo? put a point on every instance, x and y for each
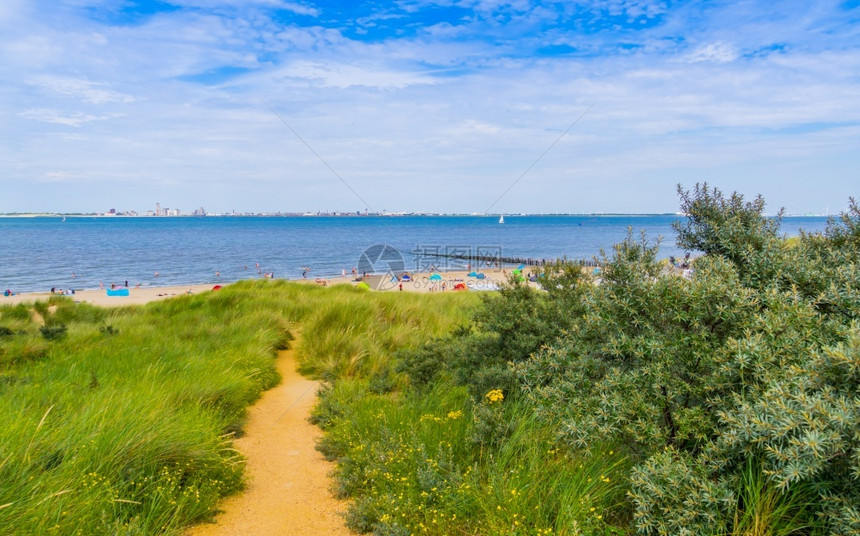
(765, 510)
(119, 421)
(415, 463)
(400, 457)
(356, 334)
(122, 423)
(532, 485)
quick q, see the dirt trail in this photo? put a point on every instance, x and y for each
(288, 484)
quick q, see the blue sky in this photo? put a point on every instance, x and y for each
(422, 105)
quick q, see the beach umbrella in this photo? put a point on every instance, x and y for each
(480, 276)
(435, 277)
(473, 274)
(363, 285)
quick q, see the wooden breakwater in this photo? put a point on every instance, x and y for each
(499, 261)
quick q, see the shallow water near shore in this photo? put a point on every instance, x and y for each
(79, 252)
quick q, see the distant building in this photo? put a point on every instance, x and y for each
(158, 209)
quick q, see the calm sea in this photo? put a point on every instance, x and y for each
(40, 253)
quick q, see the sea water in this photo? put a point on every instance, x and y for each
(80, 252)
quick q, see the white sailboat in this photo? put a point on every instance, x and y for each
(502, 218)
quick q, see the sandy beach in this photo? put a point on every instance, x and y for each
(137, 296)
(422, 281)
(419, 282)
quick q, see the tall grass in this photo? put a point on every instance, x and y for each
(354, 333)
(763, 509)
(415, 463)
(400, 457)
(121, 424)
(121, 421)
(532, 485)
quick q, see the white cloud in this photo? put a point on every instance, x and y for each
(300, 9)
(713, 52)
(343, 76)
(61, 117)
(79, 89)
(295, 7)
(59, 176)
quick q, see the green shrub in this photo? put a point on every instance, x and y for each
(53, 332)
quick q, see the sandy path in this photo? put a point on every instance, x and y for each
(288, 484)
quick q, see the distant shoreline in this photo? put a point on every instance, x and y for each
(372, 215)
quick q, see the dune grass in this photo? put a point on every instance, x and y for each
(355, 333)
(121, 424)
(417, 463)
(119, 421)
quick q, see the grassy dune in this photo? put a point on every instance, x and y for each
(119, 421)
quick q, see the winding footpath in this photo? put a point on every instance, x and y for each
(288, 483)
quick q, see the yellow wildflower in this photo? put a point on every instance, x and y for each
(496, 395)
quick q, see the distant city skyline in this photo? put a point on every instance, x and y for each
(441, 106)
